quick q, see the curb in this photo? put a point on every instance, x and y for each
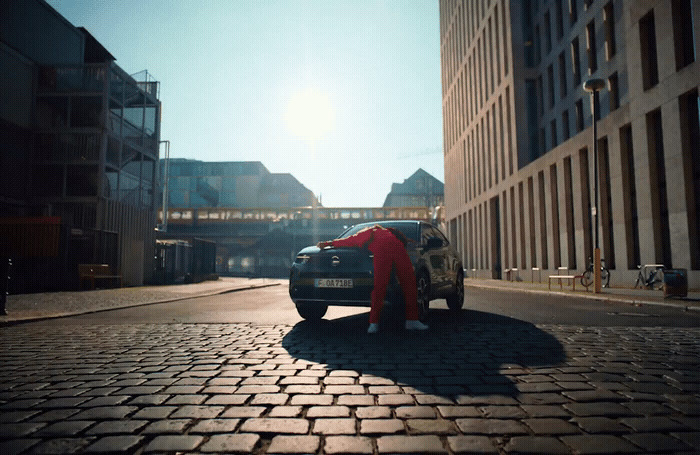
(601, 298)
(136, 304)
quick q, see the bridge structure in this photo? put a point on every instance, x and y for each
(265, 241)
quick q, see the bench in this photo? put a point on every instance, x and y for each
(565, 276)
(94, 272)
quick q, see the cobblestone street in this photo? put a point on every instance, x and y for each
(467, 388)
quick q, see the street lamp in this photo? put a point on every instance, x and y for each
(593, 86)
(166, 177)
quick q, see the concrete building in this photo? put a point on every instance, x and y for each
(419, 190)
(78, 154)
(518, 139)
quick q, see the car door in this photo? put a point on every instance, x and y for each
(435, 255)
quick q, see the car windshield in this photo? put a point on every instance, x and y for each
(410, 230)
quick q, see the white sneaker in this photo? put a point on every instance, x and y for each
(415, 325)
(373, 328)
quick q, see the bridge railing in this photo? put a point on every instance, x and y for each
(203, 215)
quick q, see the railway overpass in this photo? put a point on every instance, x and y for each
(264, 241)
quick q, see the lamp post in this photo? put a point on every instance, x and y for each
(166, 177)
(593, 86)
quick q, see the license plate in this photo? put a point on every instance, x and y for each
(333, 282)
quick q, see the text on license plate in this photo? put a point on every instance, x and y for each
(333, 282)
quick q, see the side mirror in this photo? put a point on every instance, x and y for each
(434, 243)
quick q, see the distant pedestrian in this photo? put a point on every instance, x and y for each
(388, 246)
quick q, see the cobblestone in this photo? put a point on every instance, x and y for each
(279, 389)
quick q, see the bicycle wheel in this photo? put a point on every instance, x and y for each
(605, 276)
(587, 278)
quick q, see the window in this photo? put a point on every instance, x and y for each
(683, 32)
(647, 38)
(538, 46)
(614, 92)
(585, 198)
(690, 137)
(565, 129)
(543, 220)
(579, 116)
(591, 48)
(657, 180)
(555, 214)
(562, 75)
(569, 207)
(559, 19)
(547, 32)
(573, 14)
(575, 62)
(629, 197)
(606, 204)
(550, 85)
(553, 130)
(609, 24)
(540, 96)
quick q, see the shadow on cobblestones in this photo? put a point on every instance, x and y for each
(460, 355)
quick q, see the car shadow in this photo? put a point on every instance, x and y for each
(470, 353)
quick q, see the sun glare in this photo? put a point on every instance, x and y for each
(310, 114)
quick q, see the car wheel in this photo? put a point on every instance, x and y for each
(423, 295)
(455, 301)
(311, 311)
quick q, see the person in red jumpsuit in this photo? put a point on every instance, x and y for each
(389, 249)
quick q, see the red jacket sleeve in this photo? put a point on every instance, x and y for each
(356, 240)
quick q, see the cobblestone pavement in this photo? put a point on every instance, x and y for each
(501, 387)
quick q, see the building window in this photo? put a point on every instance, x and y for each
(538, 46)
(542, 142)
(550, 85)
(586, 202)
(531, 220)
(657, 180)
(579, 116)
(629, 197)
(553, 131)
(575, 62)
(543, 220)
(591, 48)
(609, 24)
(614, 91)
(683, 32)
(555, 214)
(559, 19)
(562, 76)
(547, 32)
(573, 14)
(647, 38)
(569, 207)
(540, 96)
(606, 204)
(690, 138)
(565, 129)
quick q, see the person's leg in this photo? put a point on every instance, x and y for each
(382, 273)
(407, 280)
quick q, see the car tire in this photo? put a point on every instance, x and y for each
(423, 295)
(455, 301)
(311, 311)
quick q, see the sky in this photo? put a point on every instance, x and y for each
(345, 95)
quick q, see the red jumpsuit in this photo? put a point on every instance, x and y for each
(388, 250)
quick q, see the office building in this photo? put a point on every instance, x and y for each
(79, 152)
(518, 136)
(419, 190)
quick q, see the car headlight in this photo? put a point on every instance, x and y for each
(302, 259)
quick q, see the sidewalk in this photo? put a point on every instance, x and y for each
(28, 307)
(611, 294)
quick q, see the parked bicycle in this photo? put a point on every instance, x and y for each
(587, 277)
(650, 276)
